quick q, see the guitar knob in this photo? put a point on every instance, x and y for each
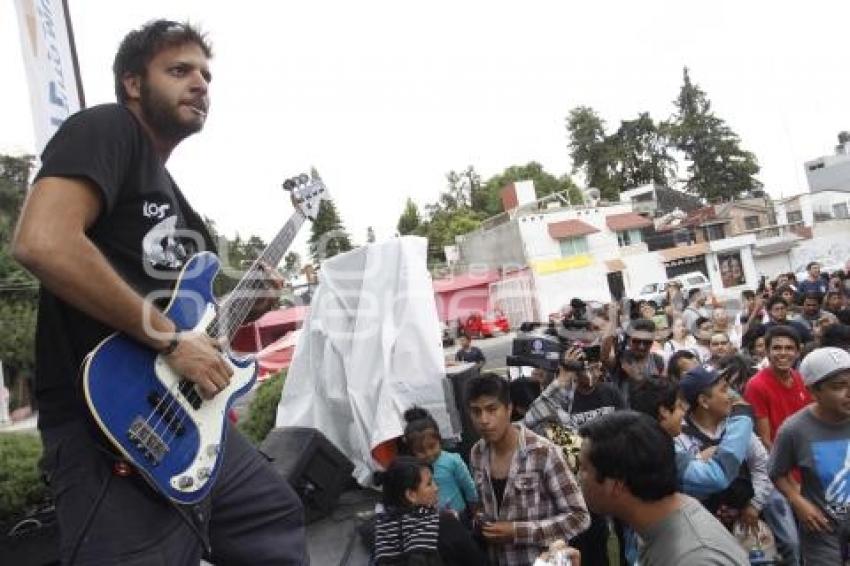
(185, 482)
(212, 450)
(203, 473)
(302, 178)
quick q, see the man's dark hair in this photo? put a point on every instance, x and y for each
(837, 336)
(776, 299)
(781, 330)
(488, 384)
(812, 296)
(523, 392)
(736, 370)
(748, 294)
(140, 46)
(810, 264)
(650, 397)
(700, 321)
(642, 324)
(673, 370)
(632, 448)
(753, 333)
(693, 293)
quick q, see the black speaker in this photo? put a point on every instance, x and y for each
(317, 471)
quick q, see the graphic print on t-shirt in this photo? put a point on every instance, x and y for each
(832, 466)
(160, 247)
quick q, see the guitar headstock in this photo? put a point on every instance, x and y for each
(308, 192)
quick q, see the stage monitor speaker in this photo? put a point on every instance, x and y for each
(317, 471)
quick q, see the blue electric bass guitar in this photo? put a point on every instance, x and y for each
(156, 418)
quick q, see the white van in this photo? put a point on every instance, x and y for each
(691, 280)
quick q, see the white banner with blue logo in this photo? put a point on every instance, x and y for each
(49, 62)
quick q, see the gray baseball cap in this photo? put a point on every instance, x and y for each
(824, 363)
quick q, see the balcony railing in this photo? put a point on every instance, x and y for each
(779, 230)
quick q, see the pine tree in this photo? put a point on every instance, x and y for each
(591, 151)
(328, 236)
(409, 220)
(718, 168)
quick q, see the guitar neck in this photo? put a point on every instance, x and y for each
(237, 306)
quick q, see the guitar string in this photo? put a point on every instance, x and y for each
(241, 300)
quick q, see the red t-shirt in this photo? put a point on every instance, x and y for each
(773, 400)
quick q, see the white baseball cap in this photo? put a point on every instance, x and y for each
(824, 363)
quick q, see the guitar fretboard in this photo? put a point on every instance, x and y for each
(237, 305)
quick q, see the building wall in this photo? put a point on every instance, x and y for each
(737, 223)
(829, 173)
(831, 239)
(742, 245)
(641, 270)
(494, 248)
(772, 265)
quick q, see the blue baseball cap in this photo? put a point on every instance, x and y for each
(696, 381)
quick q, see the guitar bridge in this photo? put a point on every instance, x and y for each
(147, 440)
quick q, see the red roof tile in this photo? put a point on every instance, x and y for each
(627, 221)
(570, 229)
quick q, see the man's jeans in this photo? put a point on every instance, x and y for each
(779, 517)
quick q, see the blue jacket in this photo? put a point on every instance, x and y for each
(700, 478)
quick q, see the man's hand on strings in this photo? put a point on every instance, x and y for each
(268, 295)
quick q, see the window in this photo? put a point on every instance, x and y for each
(752, 222)
(795, 216)
(629, 237)
(839, 210)
(573, 246)
(714, 232)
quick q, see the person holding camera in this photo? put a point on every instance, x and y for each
(575, 397)
(631, 362)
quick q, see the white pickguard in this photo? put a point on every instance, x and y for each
(210, 418)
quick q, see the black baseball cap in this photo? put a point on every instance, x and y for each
(697, 380)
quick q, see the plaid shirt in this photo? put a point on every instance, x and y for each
(542, 498)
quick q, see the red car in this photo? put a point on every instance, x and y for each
(478, 327)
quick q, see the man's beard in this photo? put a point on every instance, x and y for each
(163, 118)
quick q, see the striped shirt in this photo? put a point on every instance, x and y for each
(542, 498)
(398, 534)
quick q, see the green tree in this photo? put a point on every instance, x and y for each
(409, 220)
(18, 289)
(328, 237)
(591, 151)
(487, 200)
(291, 265)
(640, 153)
(460, 188)
(717, 166)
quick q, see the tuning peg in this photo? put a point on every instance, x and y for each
(289, 184)
(303, 178)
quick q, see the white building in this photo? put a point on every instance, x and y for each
(590, 251)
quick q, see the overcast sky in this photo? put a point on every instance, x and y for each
(385, 97)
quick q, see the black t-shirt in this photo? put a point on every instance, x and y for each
(602, 400)
(146, 230)
(473, 355)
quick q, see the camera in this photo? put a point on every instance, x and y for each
(543, 346)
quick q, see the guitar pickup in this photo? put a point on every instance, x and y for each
(187, 389)
(147, 440)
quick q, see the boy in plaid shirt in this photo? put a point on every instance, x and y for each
(528, 495)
